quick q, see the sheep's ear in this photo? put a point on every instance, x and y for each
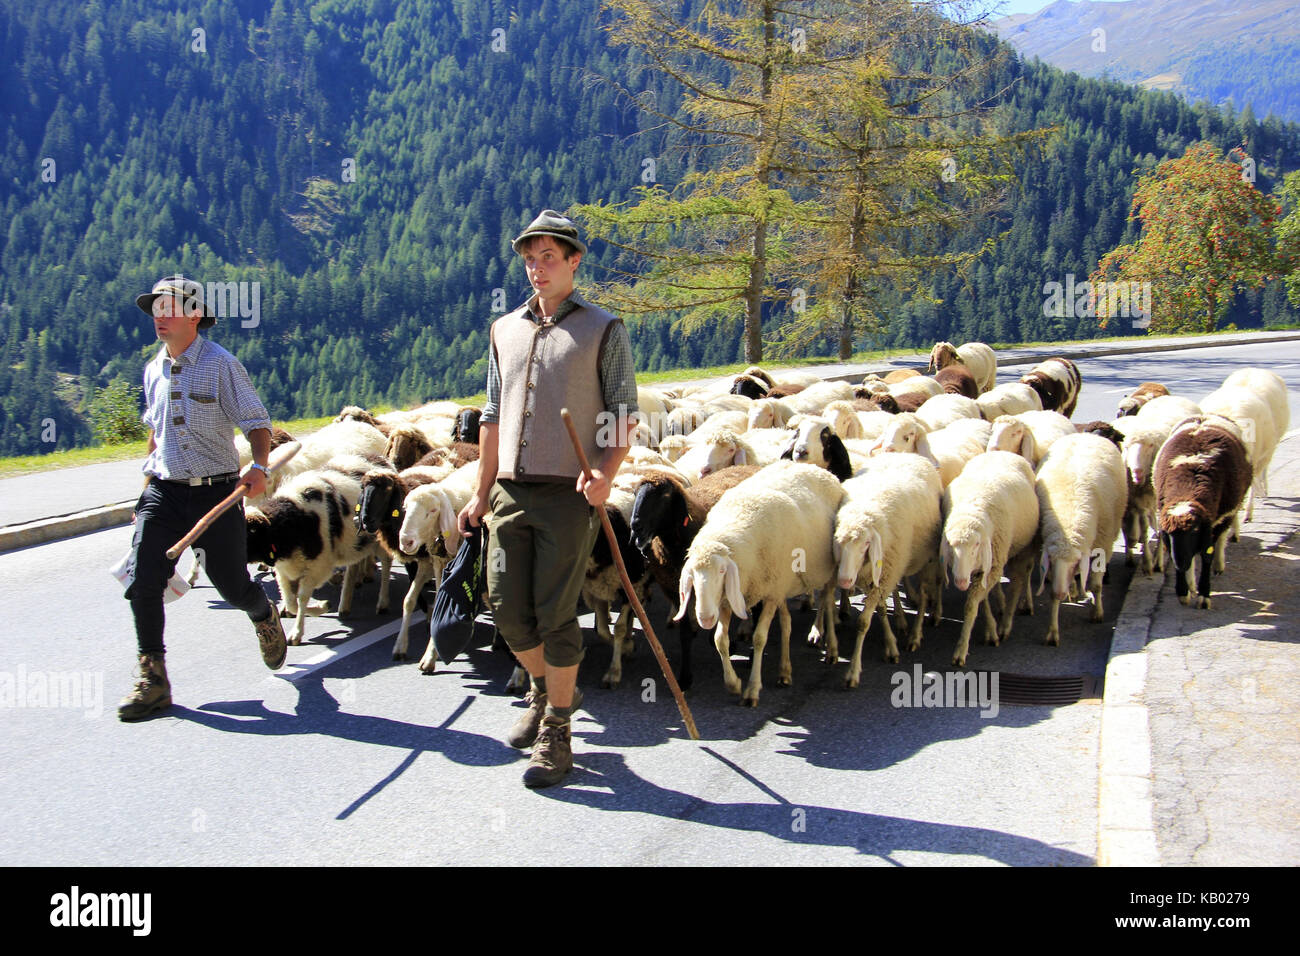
(787, 452)
(933, 358)
(731, 584)
(945, 560)
(986, 559)
(837, 456)
(876, 555)
(684, 586)
(741, 457)
(1044, 565)
(922, 446)
(446, 517)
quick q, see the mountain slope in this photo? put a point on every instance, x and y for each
(1203, 49)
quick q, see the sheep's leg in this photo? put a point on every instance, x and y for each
(193, 577)
(845, 606)
(900, 619)
(1054, 623)
(518, 682)
(750, 697)
(891, 643)
(350, 576)
(1018, 573)
(300, 622)
(974, 597)
(423, 571)
(923, 598)
(1095, 580)
(854, 675)
(722, 642)
(622, 646)
(991, 622)
(385, 571)
(1203, 582)
(832, 644)
(786, 676)
(288, 593)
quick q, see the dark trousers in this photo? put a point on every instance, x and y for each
(164, 513)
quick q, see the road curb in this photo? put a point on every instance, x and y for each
(1125, 809)
(45, 530)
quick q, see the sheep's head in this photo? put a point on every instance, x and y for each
(763, 414)
(429, 515)
(378, 498)
(710, 576)
(902, 435)
(809, 441)
(673, 447)
(966, 550)
(843, 419)
(1008, 435)
(1139, 454)
(942, 355)
(1062, 570)
(260, 548)
(852, 550)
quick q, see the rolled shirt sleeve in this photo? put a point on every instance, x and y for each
(618, 373)
(492, 407)
(239, 399)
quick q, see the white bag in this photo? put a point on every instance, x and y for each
(176, 587)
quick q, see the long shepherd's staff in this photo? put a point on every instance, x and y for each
(655, 646)
(276, 461)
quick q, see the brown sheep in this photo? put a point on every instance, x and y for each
(1201, 477)
(1104, 429)
(1131, 404)
(358, 414)
(1057, 382)
(956, 379)
(406, 446)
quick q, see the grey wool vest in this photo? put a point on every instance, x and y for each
(546, 367)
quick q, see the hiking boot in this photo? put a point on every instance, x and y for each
(524, 732)
(152, 692)
(270, 635)
(552, 754)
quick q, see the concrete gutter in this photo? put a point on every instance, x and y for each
(44, 530)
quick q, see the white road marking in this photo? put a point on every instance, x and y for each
(347, 648)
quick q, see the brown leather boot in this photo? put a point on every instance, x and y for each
(152, 692)
(552, 754)
(270, 639)
(524, 732)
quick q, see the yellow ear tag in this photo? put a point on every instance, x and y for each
(396, 512)
(1210, 550)
(358, 507)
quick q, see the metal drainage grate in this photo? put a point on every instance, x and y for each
(1033, 691)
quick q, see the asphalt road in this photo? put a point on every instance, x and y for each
(346, 757)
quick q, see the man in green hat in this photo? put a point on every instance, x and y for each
(555, 351)
(195, 394)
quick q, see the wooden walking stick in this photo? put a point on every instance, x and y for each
(276, 461)
(655, 646)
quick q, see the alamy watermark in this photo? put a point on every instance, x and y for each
(73, 690)
(75, 908)
(923, 688)
(228, 300)
(1078, 300)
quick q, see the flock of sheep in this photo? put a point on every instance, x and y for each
(743, 494)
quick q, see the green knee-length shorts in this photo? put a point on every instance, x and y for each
(540, 537)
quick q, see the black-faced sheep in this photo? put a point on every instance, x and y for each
(666, 516)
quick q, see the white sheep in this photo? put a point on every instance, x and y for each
(948, 449)
(1029, 434)
(942, 410)
(1254, 417)
(767, 539)
(431, 521)
(336, 438)
(1009, 398)
(813, 399)
(888, 528)
(1168, 410)
(769, 413)
(715, 452)
(990, 523)
(1082, 492)
(843, 418)
(1272, 388)
(1142, 442)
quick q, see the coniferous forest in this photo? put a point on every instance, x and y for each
(365, 163)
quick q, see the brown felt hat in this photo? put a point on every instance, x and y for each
(551, 223)
(187, 290)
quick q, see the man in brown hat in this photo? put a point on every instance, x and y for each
(555, 351)
(195, 393)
